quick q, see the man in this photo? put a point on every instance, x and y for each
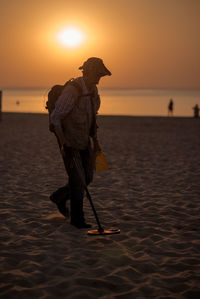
(170, 107)
(74, 121)
(196, 111)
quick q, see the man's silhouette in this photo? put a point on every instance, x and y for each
(74, 121)
(170, 107)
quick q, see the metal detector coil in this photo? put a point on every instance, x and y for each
(104, 232)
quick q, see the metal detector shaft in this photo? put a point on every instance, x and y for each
(100, 228)
(93, 209)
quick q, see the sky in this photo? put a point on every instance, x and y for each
(144, 43)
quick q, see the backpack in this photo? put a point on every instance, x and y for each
(54, 94)
(56, 91)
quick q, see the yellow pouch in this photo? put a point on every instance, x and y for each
(100, 162)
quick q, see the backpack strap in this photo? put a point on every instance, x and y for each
(78, 87)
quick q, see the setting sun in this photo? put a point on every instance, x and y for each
(70, 37)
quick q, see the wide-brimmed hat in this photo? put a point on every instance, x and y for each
(95, 65)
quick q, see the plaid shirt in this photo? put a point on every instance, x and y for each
(65, 104)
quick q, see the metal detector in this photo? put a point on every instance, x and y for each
(100, 230)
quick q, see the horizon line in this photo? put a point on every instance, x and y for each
(102, 87)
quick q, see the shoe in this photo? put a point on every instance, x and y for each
(81, 224)
(61, 206)
(62, 194)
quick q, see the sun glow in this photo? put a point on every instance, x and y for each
(70, 37)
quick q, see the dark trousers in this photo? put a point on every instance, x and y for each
(79, 172)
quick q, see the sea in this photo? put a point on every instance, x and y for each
(114, 101)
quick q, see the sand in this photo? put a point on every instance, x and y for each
(151, 192)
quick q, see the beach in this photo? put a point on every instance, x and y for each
(151, 192)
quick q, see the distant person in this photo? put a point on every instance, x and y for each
(196, 111)
(170, 107)
(74, 124)
(0, 104)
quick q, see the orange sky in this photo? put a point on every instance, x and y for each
(145, 43)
